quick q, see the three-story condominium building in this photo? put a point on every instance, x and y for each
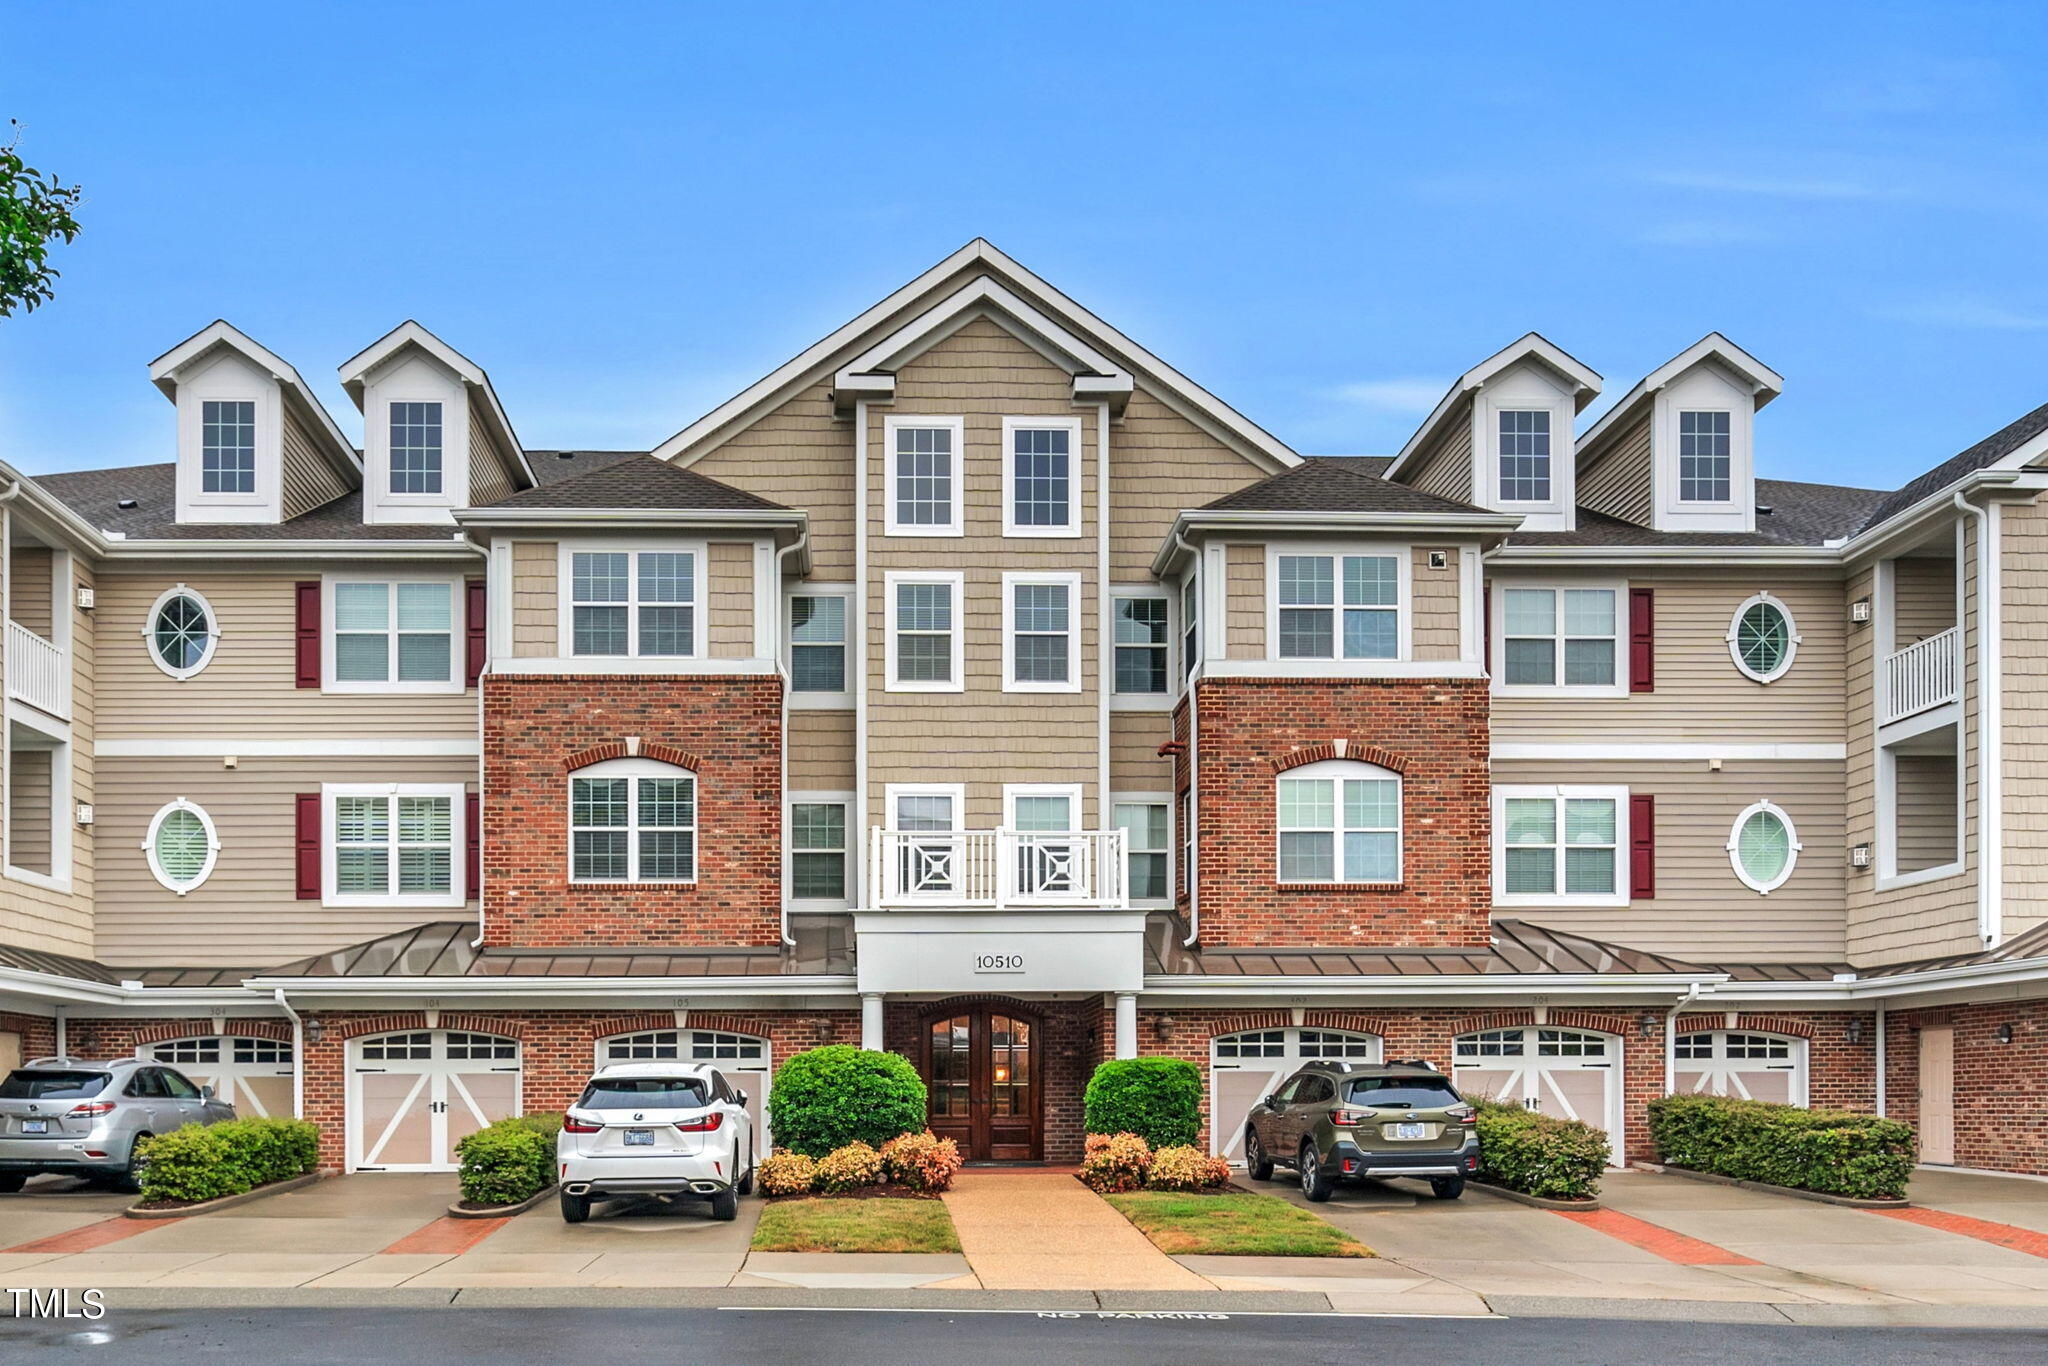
(978, 686)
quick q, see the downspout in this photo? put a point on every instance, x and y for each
(298, 1056)
(1189, 837)
(1880, 1059)
(1105, 638)
(803, 539)
(858, 629)
(1990, 727)
(466, 539)
(1692, 993)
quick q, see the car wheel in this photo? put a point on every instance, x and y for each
(129, 1177)
(1257, 1165)
(10, 1182)
(726, 1204)
(1315, 1186)
(1447, 1187)
(575, 1208)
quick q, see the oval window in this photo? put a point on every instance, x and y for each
(181, 632)
(182, 846)
(1762, 638)
(1763, 847)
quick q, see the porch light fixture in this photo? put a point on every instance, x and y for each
(1853, 1031)
(2005, 1033)
(1161, 1023)
(1646, 1025)
(315, 1031)
(1859, 856)
(1859, 611)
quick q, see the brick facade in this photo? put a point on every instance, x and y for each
(38, 1035)
(538, 729)
(2001, 1089)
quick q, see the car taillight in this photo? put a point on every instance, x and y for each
(573, 1125)
(92, 1109)
(1350, 1119)
(702, 1125)
(1464, 1114)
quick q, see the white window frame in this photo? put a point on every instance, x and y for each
(1146, 701)
(1075, 465)
(851, 852)
(1679, 413)
(1337, 772)
(1735, 852)
(896, 422)
(890, 582)
(1791, 629)
(1497, 662)
(1404, 565)
(329, 651)
(230, 377)
(1011, 583)
(438, 497)
(566, 604)
(956, 791)
(821, 701)
(62, 814)
(156, 822)
(1558, 795)
(181, 590)
(1163, 800)
(1550, 458)
(1071, 791)
(633, 769)
(458, 814)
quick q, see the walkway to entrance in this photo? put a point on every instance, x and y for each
(1046, 1231)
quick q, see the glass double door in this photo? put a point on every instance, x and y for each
(982, 1068)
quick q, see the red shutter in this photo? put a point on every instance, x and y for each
(309, 846)
(472, 824)
(1642, 847)
(474, 621)
(309, 635)
(1642, 640)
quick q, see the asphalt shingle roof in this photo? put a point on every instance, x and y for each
(1800, 514)
(1989, 451)
(97, 495)
(645, 483)
(1334, 483)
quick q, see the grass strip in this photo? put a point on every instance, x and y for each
(824, 1224)
(1233, 1224)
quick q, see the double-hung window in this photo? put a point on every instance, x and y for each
(633, 820)
(416, 448)
(1147, 842)
(1142, 639)
(817, 845)
(227, 457)
(1339, 821)
(1560, 637)
(1337, 606)
(817, 643)
(391, 635)
(924, 455)
(1703, 462)
(1560, 846)
(393, 845)
(639, 604)
(1041, 490)
(924, 630)
(1040, 623)
(1525, 455)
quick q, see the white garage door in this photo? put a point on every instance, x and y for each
(1741, 1063)
(253, 1075)
(413, 1096)
(1570, 1073)
(1246, 1068)
(746, 1061)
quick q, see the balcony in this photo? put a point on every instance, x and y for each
(1920, 677)
(998, 868)
(38, 672)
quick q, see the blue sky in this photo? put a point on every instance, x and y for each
(1321, 212)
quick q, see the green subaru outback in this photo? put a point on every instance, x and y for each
(1336, 1121)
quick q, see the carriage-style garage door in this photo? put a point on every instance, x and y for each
(744, 1059)
(413, 1096)
(1741, 1063)
(1246, 1068)
(253, 1075)
(1570, 1073)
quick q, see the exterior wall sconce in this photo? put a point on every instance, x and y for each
(1859, 611)
(315, 1030)
(1646, 1025)
(1859, 856)
(1161, 1023)
(2005, 1033)
(1854, 1032)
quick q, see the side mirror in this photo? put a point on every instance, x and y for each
(740, 1096)
(206, 1093)
(1267, 1101)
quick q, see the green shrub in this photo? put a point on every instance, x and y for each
(509, 1161)
(1832, 1151)
(853, 1167)
(836, 1095)
(208, 1161)
(782, 1173)
(1158, 1099)
(1538, 1154)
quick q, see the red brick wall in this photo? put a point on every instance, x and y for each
(108, 1039)
(1073, 1042)
(533, 727)
(1433, 732)
(2001, 1089)
(1840, 1074)
(38, 1035)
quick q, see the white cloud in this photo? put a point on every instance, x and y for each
(1962, 312)
(1767, 187)
(1393, 395)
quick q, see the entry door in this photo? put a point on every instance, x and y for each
(414, 1096)
(981, 1067)
(1938, 1095)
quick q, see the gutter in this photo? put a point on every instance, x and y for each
(1671, 1038)
(1483, 985)
(1990, 724)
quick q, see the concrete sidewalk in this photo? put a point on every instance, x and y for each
(1043, 1230)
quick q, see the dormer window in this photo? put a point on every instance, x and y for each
(416, 448)
(1525, 455)
(228, 446)
(1703, 457)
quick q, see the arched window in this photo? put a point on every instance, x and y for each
(1763, 847)
(181, 631)
(633, 820)
(1339, 821)
(1762, 638)
(181, 846)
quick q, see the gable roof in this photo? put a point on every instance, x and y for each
(1800, 515)
(2007, 440)
(1530, 346)
(165, 372)
(1765, 383)
(1335, 483)
(409, 333)
(634, 484)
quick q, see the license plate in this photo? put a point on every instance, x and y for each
(1410, 1130)
(35, 1126)
(639, 1138)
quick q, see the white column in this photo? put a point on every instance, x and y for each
(871, 1020)
(1127, 1024)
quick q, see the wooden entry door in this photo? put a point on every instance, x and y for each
(1938, 1094)
(981, 1064)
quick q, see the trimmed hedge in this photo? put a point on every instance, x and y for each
(208, 1161)
(1834, 1152)
(509, 1161)
(1538, 1154)
(829, 1097)
(1158, 1099)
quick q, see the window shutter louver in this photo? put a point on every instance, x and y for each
(474, 622)
(309, 635)
(309, 846)
(473, 833)
(1642, 640)
(1642, 847)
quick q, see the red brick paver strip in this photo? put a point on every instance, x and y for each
(89, 1237)
(447, 1235)
(2029, 1241)
(1655, 1239)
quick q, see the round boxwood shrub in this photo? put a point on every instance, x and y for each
(836, 1095)
(1158, 1099)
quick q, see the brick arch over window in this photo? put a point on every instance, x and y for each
(940, 1009)
(632, 1024)
(356, 1027)
(1351, 1020)
(1247, 1020)
(1759, 1024)
(1594, 1020)
(1493, 1019)
(621, 749)
(1357, 750)
(163, 1031)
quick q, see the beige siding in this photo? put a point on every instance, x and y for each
(1618, 482)
(1924, 597)
(1159, 463)
(247, 912)
(821, 751)
(1926, 811)
(1700, 695)
(38, 917)
(309, 480)
(729, 600)
(28, 808)
(1135, 763)
(535, 590)
(490, 477)
(1446, 468)
(799, 455)
(30, 588)
(2024, 690)
(1435, 595)
(1702, 911)
(1244, 594)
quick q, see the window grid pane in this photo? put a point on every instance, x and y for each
(1703, 463)
(924, 476)
(1525, 456)
(1040, 646)
(1040, 469)
(924, 632)
(1141, 645)
(817, 652)
(416, 448)
(227, 460)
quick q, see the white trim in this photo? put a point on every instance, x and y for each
(849, 596)
(330, 650)
(1070, 791)
(456, 796)
(632, 770)
(1337, 552)
(1891, 882)
(1623, 752)
(1735, 853)
(212, 630)
(1766, 382)
(633, 549)
(1341, 668)
(850, 804)
(895, 422)
(954, 579)
(250, 748)
(1011, 582)
(156, 869)
(1337, 772)
(356, 368)
(1143, 701)
(1075, 467)
(1791, 631)
(1557, 794)
(606, 666)
(1584, 382)
(1497, 664)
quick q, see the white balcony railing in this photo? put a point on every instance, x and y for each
(38, 672)
(1921, 676)
(998, 868)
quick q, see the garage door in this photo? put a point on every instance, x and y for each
(1246, 1068)
(1571, 1073)
(414, 1095)
(746, 1061)
(1744, 1064)
(253, 1075)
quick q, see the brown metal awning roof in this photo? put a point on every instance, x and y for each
(442, 949)
(1517, 948)
(2029, 944)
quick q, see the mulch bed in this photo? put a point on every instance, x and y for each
(864, 1193)
(1227, 1188)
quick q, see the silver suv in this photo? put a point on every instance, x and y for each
(84, 1118)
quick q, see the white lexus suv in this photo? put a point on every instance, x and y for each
(656, 1128)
